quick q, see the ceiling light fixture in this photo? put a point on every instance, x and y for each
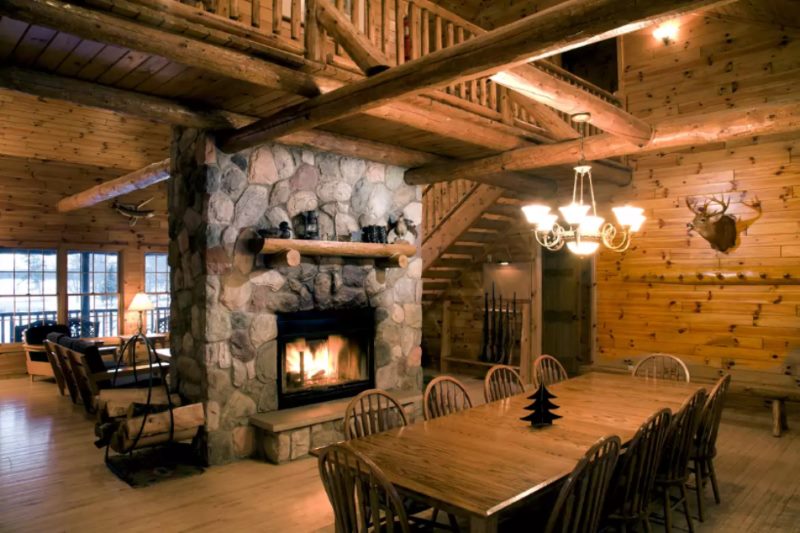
(583, 232)
(667, 32)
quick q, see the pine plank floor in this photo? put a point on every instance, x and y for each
(53, 479)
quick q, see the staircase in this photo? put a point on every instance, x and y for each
(462, 220)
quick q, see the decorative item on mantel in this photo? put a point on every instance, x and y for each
(499, 329)
(541, 409)
(583, 233)
(401, 229)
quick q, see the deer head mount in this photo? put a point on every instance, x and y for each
(715, 225)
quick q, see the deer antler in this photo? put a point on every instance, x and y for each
(721, 202)
(692, 205)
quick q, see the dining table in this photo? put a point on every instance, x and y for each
(486, 463)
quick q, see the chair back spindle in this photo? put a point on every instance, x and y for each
(712, 414)
(674, 467)
(631, 488)
(580, 502)
(501, 382)
(372, 411)
(362, 497)
(662, 366)
(547, 370)
(444, 395)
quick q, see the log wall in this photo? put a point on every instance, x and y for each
(752, 319)
(49, 150)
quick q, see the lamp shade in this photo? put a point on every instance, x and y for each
(535, 213)
(141, 302)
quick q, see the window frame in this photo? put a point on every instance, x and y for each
(150, 321)
(43, 295)
(91, 252)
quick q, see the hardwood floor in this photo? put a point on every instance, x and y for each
(53, 479)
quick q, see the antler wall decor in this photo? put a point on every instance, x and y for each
(715, 225)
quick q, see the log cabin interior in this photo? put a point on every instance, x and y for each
(367, 265)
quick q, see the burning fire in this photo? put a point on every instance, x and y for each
(311, 360)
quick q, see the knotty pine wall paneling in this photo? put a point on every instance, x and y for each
(715, 64)
(49, 150)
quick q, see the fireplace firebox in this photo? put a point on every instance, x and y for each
(324, 355)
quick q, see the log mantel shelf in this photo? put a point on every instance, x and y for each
(388, 255)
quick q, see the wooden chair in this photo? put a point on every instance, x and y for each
(547, 370)
(673, 471)
(501, 382)
(66, 370)
(662, 366)
(630, 492)
(361, 496)
(91, 375)
(58, 373)
(443, 396)
(579, 505)
(372, 411)
(705, 448)
(37, 362)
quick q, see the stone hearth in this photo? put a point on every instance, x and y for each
(225, 299)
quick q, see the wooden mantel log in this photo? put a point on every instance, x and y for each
(673, 132)
(139, 179)
(360, 49)
(563, 27)
(386, 255)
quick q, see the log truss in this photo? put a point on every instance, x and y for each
(395, 88)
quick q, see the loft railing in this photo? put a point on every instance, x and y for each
(440, 199)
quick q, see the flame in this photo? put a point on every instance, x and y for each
(316, 360)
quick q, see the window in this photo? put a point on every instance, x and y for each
(93, 293)
(28, 294)
(156, 285)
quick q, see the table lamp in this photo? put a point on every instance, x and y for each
(141, 303)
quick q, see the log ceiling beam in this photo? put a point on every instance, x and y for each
(94, 25)
(119, 100)
(171, 112)
(360, 49)
(138, 179)
(671, 133)
(564, 27)
(558, 94)
(551, 121)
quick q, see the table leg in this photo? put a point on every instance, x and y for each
(480, 524)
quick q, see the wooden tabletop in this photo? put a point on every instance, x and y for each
(483, 460)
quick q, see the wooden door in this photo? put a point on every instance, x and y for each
(567, 308)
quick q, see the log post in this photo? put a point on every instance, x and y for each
(360, 49)
(313, 33)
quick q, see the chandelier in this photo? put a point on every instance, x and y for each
(583, 232)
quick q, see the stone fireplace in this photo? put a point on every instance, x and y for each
(233, 312)
(325, 355)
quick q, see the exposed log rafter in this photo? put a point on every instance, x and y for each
(139, 179)
(549, 32)
(677, 132)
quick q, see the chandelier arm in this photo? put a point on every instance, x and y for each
(591, 190)
(609, 236)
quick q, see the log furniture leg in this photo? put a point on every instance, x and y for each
(778, 416)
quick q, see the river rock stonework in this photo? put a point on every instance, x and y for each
(224, 301)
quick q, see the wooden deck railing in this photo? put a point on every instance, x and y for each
(439, 200)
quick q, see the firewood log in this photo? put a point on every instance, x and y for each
(121, 442)
(185, 418)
